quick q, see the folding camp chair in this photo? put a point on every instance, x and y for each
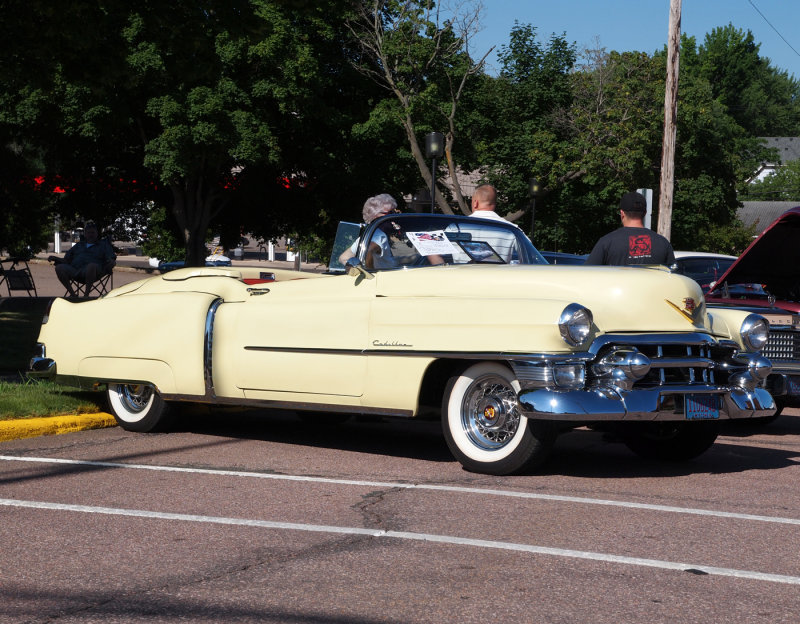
(17, 276)
(104, 280)
(99, 287)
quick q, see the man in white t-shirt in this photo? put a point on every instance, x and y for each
(484, 203)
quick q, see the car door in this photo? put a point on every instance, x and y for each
(305, 336)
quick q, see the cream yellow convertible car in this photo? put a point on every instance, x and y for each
(458, 318)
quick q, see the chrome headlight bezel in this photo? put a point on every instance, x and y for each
(575, 324)
(754, 332)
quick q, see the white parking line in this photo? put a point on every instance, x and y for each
(417, 486)
(423, 537)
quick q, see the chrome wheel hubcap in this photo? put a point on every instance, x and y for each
(135, 397)
(490, 414)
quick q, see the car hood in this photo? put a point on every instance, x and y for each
(773, 259)
(639, 299)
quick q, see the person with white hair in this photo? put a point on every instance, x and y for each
(374, 207)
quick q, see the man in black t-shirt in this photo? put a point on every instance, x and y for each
(632, 243)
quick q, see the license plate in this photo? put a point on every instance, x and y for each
(701, 406)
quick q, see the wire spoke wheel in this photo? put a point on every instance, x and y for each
(490, 412)
(484, 427)
(137, 407)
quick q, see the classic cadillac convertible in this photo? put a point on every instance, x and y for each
(453, 317)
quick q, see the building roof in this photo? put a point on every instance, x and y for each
(788, 147)
(762, 213)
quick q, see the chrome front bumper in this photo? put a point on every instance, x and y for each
(657, 404)
(783, 384)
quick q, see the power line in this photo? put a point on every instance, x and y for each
(772, 27)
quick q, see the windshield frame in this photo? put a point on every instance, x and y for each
(528, 254)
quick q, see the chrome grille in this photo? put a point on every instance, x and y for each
(782, 345)
(677, 363)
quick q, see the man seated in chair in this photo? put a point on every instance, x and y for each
(86, 261)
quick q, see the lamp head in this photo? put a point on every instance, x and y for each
(434, 145)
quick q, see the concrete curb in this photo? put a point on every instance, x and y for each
(53, 425)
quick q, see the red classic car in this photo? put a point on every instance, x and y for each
(766, 280)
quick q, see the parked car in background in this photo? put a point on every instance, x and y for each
(560, 257)
(704, 268)
(441, 316)
(766, 279)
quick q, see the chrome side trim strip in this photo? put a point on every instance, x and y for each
(208, 344)
(458, 355)
(690, 338)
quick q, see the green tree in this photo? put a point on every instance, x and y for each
(185, 98)
(421, 60)
(762, 99)
(608, 142)
(521, 134)
(221, 88)
(24, 204)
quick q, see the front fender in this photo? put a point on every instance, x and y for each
(726, 323)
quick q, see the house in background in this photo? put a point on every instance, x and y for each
(762, 213)
(788, 149)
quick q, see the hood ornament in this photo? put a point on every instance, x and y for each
(690, 310)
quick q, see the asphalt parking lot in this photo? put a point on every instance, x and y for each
(244, 516)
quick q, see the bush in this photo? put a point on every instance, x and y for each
(161, 241)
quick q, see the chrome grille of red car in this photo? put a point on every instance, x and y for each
(782, 345)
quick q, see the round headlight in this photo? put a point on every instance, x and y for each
(575, 324)
(754, 332)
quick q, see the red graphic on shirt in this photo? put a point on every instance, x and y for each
(640, 245)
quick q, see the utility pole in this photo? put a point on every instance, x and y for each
(670, 119)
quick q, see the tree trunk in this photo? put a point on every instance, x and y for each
(191, 206)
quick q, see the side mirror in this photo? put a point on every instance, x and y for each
(354, 268)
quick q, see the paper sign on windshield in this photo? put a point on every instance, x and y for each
(431, 243)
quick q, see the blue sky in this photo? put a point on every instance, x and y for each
(643, 25)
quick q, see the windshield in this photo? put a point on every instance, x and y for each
(345, 245)
(413, 240)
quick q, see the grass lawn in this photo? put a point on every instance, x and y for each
(34, 399)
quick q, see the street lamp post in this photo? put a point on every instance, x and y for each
(420, 200)
(534, 191)
(434, 148)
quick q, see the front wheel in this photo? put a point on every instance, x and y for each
(483, 426)
(671, 441)
(138, 407)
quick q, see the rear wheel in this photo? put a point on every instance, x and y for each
(672, 441)
(138, 407)
(483, 426)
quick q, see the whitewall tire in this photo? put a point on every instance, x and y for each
(137, 407)
(483, 425)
